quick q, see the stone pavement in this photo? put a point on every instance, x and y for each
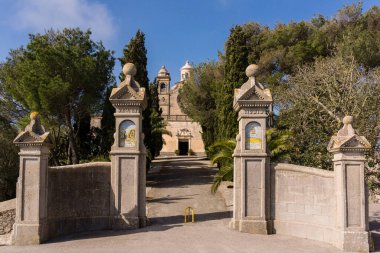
(374, 224)
(173, 186)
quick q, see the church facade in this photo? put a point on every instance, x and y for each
(186, 138)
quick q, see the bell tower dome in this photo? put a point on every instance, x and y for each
(186, 71)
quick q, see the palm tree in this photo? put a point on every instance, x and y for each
(279, 144)
(222, 152)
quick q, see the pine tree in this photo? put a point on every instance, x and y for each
(236, 61)
(64, 76)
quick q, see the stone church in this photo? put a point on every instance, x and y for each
(186, 136)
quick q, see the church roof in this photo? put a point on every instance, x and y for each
(163, 71)
(187, 66)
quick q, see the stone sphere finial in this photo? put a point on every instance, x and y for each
(129, 69)
(347, 129)
(348, 120)
(252, 70)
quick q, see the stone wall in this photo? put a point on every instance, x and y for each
(303, 202)
(7, 216)
(78, 198)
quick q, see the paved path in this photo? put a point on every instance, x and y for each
(177, 185)
(374, 224)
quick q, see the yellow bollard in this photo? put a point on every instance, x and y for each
(187, 213)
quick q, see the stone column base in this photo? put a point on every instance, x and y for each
(355, 241)
(123, 222)
(28, 234)
(251, 226)
(143, 221)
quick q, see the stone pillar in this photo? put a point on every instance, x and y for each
(128, 154)
(348, 151)
(251, 164)
(31, 193)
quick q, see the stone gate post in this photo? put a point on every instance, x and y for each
(251, 164)
(31, 203)
(128, 154)
(348, 149)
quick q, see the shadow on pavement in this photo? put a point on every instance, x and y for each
(108, 233)
(157, 224)
(168, 199)
(174, 174)
(179, 219)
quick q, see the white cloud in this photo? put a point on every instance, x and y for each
(40, 15)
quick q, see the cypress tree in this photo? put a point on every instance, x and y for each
(136, 53)
(236, 61)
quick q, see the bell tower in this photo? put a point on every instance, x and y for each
(163, 80)
(186, 71)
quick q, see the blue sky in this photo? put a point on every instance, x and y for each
(176, 30)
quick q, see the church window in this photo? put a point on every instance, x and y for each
(162, 87)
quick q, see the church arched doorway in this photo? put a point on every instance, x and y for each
(184, 141)
(183, 146)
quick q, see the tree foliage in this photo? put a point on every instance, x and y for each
(236, 61)
(316, 99)
(200, 97)
(157, 122)
(8, 160)
(279, 51)
(222, 156)
(279, 144)
(64, 76)
(136, 53)
(318, 71)
(153, 125)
